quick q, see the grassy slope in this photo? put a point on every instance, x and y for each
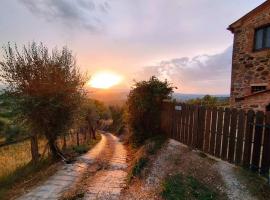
(16, 168)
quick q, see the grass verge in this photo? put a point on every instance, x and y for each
(23, 173)
(178, 187)
(24, 177)
(143, 155)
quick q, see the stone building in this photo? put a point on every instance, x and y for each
(250, 81)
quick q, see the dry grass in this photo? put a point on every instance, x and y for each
(16, 156)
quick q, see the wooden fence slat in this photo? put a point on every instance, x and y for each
(240, 137)
(201, 127)
(195, 128)
(183, 123)
(174, 115)
(266, 147)
(207, 130)
(191, 124)
(178, 112)
(248, 138)
(219, 132)
(232, 135)
(257, 141)
(213, 131)
(187, 124)
(226, 128)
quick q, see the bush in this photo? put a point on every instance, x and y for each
(117, 115)
(178, 187)
(144, 107)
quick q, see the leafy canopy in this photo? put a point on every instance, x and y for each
(144, 107)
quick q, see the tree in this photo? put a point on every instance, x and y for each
(209, 100)
(117, 115)
(48, 86)
(144, 107)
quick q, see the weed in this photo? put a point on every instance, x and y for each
(138, 167)
(81, 149)
(178, 187)
(174, 188)
(156, 143)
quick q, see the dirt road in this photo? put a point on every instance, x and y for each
(104, 184)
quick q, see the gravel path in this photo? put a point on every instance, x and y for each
(108, 183)
(105, 183)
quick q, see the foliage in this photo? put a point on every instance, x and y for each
(48, 86)
(117, 115)
(209, 100)
(138, 167)
(156, 143)
(144, 107)
(177, 187)
(81, 148)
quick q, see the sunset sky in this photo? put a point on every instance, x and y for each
(185, 41)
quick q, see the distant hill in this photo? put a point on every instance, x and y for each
(185, 97)
(109, 97)
(118, 97)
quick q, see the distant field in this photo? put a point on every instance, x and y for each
(15, 156)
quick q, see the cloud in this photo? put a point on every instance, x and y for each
(200, 74)
(85, 14)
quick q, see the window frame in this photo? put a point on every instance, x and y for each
(264, 28)
(253, 86)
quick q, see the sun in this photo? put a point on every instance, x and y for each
(104, 80)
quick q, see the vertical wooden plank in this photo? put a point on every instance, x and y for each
(213, 131)
(177, 123)
(232, 135)
(226, 128)
(187, 124)
(219, 132)
(266, 147)
(240, 137)
(191, 124)
(174, 124)
(201, 128)
(257, 141)
(207, 130)
(248, 138)
(195, 128)
(183, 122)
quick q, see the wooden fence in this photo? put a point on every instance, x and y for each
(237, 136)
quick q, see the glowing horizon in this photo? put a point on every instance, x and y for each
(104, 80)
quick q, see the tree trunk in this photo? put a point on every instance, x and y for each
(64, 142)
(56, 153)
(34, 148)
(93, 133)
(78, 138)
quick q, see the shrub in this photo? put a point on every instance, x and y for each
(178, 187)
(144, 107)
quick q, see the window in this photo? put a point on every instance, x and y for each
(258, 88)
(262, 38)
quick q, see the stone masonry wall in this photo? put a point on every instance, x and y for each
(248, 66)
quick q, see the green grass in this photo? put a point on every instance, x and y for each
(81, 148)
(138, 167)
(178, 187)
(156, 143)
